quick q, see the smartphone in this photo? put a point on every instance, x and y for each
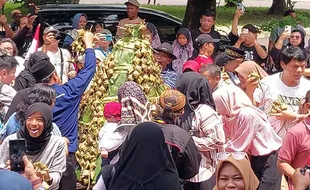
(17, 149)
(105, 37)
(108, 37)
(245, 31)
(240, 7)
(288, 29)
(32, 10)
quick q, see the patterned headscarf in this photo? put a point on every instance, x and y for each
(135, 106)
(183, 53)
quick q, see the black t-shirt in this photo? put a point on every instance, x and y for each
(250, 52)
(196, 32)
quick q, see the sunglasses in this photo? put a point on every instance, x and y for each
(297, 37)
(236, 155)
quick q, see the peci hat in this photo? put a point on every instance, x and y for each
(234, 52)
(166, 48)
(50, 29)
(205, 38)
(41, 66)
(133, 2)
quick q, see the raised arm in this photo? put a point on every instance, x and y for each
(234, 28)
(79, 84)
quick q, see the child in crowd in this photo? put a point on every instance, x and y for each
(104, 40)
(7, 75)
(107, 134)
(182, 49)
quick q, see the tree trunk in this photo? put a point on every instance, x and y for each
(232, 3)
(277, 7)
(194, 9)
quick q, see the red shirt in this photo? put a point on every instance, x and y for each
(202, 60)
(296, 147)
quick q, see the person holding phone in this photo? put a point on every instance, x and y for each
(295, 37)
(104, 42)
(247, 40)
(41, 145)
(24, 37)
(58, 56)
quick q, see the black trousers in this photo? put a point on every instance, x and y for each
(68, 180)
(265, 169)
(204, 185)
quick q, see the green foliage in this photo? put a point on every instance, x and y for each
(254, 15)
(273, 24)
(9, 7)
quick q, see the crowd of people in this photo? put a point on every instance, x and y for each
(236, 118)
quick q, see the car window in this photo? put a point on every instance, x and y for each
(63, 21)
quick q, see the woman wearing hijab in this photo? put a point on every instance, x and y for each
(182, 49)
(247, 68)
(183, 149)
(79, 21)
(296, 39)
(203, 124)
(135, 109)
(145, 162)
(248, 130)
(234, 172)
(152, 30)
(41, 146)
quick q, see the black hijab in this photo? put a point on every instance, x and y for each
(197, 91)
(302, 35)
(36, 145)
(145, 162)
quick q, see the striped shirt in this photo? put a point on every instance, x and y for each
(169, 77)
(210, 141)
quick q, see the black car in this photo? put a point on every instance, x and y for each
(60, 16)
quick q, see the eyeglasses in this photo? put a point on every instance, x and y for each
(297, 37)
(236, 155)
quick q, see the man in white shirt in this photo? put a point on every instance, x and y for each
(132, 12)
(288, 87)
(59, 57)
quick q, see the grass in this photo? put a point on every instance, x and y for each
(11, 6)
(253, 15)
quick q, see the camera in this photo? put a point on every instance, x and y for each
(57, 36)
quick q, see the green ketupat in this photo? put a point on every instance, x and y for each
(131, 60)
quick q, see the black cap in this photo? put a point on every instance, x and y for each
(167, 48)
(231, 53)
(288, 12)
(41, 66)
(234, 52)
(205, 38)
(251, 28)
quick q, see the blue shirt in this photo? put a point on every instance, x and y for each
(65, 111)
(169, 77)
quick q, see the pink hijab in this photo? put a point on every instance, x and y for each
(229, 101)
(248, 67)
